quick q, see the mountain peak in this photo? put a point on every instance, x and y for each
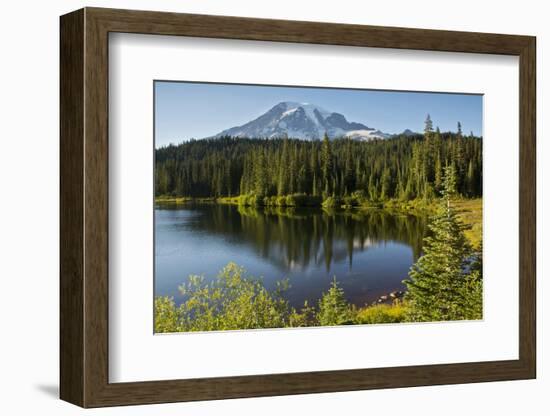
(302, 121)
(308, 107)
(408, 132)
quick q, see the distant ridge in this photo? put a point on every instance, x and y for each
(408, 132)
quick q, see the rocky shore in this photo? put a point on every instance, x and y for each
(389, 298)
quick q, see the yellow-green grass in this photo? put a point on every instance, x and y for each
(182, 200)
(470, 211)
(382, 314)
(172, 200)
(413, 206)
(234, 200)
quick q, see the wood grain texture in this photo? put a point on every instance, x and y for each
(84, 207)
(71, 208)
(96, 208)
(226, 27)
(527, 207)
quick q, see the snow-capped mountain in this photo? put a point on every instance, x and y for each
(302, 121)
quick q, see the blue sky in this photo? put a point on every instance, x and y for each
(197, 110)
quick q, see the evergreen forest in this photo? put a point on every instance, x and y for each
(404, 167)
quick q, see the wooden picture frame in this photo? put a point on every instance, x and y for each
(84, 207)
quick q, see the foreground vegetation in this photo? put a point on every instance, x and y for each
(237, 301)
(444, 284)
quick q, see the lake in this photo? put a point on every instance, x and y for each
(369, 252)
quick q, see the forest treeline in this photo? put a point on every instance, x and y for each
(402, 167)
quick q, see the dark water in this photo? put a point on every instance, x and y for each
(369, 253)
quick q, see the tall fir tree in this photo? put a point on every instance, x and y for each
(428, 127)
(333, 307)
(444, 283)
(283, 177)
(326, 165)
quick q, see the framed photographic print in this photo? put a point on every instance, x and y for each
(260, 207)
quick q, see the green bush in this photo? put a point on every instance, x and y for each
(251, 200)
(166, 315)
(270, 201)
(280, 201)
(294, 200)
(289, 201)
(333, 307)
(305, 317)
(350, 201)
(359, 196)
(332, 202)
(382, 314)
(231, 301)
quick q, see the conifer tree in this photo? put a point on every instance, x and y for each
(444, 283)
(472, 290)
(385, 184)
(282, 181)
(428, 127)
(348, 174)
(470, 179)
(403, 167)
(326, 165)
(333, 307)
(260, 174)
(437, 179)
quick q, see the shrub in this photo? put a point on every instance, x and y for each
(382, 314)
(359, 196)
(166, 316)
(231, 301)
(251, 200)
(306, 316)
(350, 201)
(332, 202)
(281, 201)
(270, 201)
(290, 201)
(333, 307)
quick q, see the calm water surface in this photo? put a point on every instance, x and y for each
(369, 253)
